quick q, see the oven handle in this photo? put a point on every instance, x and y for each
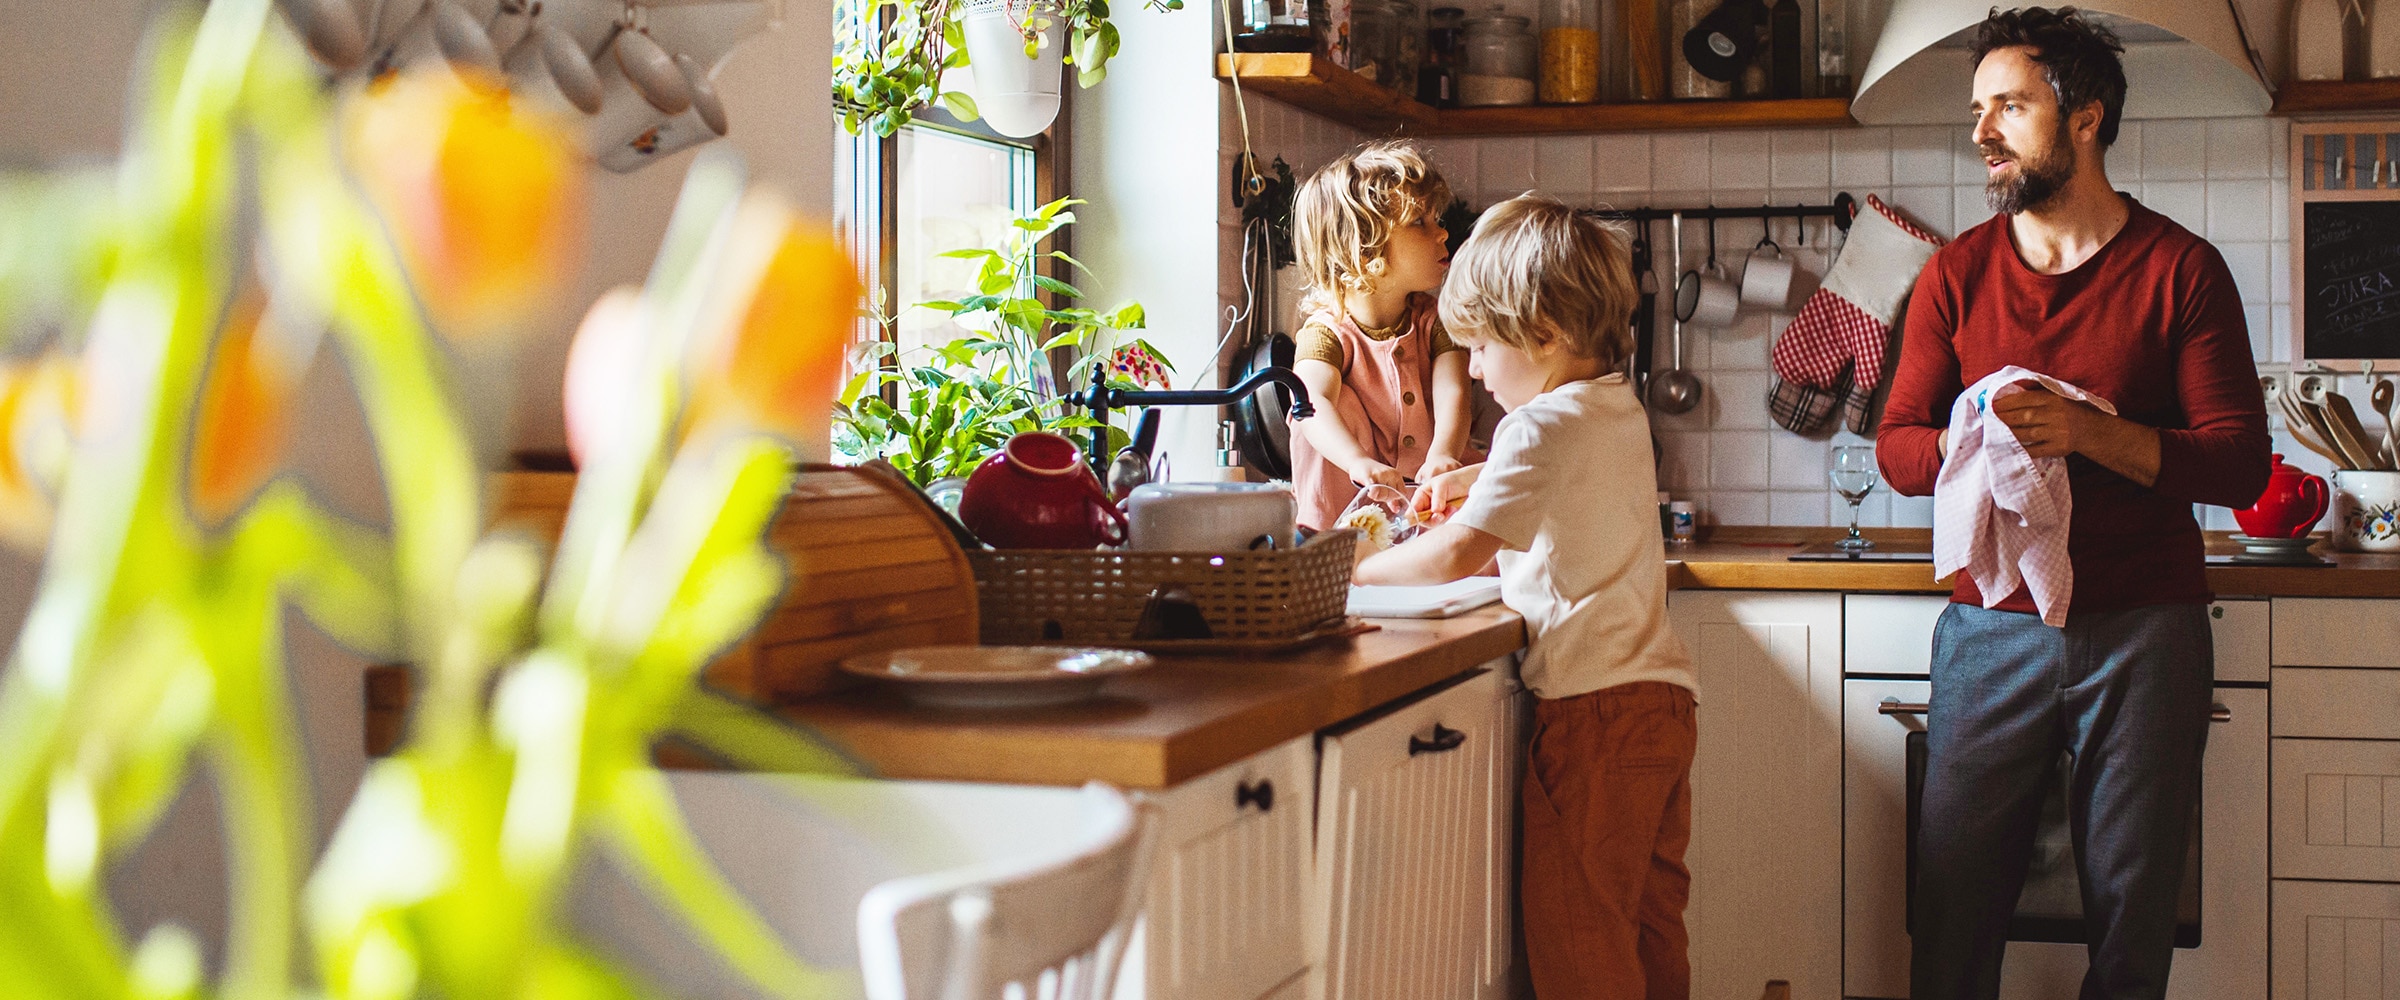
(1894, 706)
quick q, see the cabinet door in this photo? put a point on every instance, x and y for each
(2337, 809)
(2336, 940)
(1228, 892)
(2335, 632)
(1766, 853)
(1405, 829)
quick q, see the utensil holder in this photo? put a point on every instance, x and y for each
(2366, 510)
(1094, 597)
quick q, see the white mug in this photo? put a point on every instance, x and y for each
(1209, 517)
(1767, 279)
(1707, 298)
(2366, 510)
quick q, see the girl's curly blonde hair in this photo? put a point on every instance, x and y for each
(1343, 216)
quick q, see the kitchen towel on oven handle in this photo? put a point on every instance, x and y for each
(1835, 347)
(2000, 513)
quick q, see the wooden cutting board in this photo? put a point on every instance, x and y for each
(872, 568)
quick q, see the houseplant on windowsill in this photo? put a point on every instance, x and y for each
(885, 68)
(957, 403)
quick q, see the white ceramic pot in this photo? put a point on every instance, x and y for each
(2366, 511)
(1209, 517)
(1016, 96)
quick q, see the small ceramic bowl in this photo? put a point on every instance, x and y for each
(996, 676)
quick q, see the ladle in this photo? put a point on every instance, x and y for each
(1675, 390)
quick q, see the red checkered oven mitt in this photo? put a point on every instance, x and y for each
(1834, 350)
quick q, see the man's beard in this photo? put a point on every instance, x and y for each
(2033, 182)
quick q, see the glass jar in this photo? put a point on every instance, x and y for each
(1437, 73)
(1570, 53)
(1371, 40)
(1496, 61)
(1275, 26)
(1408, 46)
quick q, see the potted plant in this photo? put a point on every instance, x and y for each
(956, 403)
(886, 65)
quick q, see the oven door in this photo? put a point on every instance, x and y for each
(2231, 959)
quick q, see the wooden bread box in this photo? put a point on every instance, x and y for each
(871, 568)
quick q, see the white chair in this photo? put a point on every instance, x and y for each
(1050, 928)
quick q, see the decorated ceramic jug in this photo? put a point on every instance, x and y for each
(2293, 502)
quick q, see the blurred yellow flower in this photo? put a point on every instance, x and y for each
(771, 358)
(484, 198)
(38, 400)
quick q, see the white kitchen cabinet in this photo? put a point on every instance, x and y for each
(2336, 632)
(1414, 817)
(1889, 633)
(1225, 918)
(1766, 854)
(2336, 940)
(2337, 810)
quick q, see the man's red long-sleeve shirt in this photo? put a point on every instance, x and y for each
(2153, 324)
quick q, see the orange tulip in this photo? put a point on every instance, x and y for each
(484, 198)
(243, 423)
(788, 302)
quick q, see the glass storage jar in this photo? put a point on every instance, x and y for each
(1371, 40)
(1408, 46)
(1496, 61)
(1437, 73)
(1570, 53)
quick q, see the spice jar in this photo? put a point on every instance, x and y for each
(1437, 72)
(1496, 61)
(1408, 47)
(1371, 41)
(1570, 59)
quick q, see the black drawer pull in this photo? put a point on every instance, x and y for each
(1444, 739)
(1260, 793)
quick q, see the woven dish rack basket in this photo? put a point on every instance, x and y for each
(1095, 597)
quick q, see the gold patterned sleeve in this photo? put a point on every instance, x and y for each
(1318, 341)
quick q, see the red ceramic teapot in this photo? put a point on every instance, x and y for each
(2293, 502)
(1037, 494)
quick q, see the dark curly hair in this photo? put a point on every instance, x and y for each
(2078, 56)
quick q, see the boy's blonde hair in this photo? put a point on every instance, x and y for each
(1344, 214)
(1537, 271)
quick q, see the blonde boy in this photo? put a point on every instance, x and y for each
(1540, 297)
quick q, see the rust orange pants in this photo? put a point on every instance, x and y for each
(1607, 815)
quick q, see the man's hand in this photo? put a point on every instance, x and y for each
(2053, 426)
(2047, 424)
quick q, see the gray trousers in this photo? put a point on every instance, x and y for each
(2127, 694)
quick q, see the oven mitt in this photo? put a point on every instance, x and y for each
(1834, 350)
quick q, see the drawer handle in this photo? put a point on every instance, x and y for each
(1260, 793)
(1444, 739)
(1894, 706)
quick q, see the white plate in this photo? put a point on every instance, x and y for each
(1442, 600)
(996, 676)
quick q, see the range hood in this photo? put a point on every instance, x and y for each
(2183, 59)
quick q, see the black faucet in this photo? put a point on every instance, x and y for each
(1099, 398)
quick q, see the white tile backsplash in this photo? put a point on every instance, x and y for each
(2222, 178)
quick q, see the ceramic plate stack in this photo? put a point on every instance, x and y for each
(2275, 551)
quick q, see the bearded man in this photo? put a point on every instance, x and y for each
(2079, 282)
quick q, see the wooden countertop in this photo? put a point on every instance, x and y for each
(1743, 558)
(1181, 719)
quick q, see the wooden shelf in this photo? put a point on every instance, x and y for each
(1314, 84)
(2312, 97)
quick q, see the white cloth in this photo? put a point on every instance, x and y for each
(1570, 492)
(2002, 514)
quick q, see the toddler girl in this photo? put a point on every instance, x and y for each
(1389, 386)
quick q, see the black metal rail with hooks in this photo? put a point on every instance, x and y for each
(1842, 211)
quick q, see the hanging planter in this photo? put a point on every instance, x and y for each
(1014, 51)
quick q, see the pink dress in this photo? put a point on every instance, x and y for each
(1387, 403)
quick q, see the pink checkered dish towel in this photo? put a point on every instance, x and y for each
(1999, 513)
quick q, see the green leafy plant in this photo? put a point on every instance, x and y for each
(887, 66)
(958, 402)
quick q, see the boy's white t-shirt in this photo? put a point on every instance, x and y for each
(1570, 490)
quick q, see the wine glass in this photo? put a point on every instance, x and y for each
(1852, 468)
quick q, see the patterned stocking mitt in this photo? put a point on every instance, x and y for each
(1845, 328)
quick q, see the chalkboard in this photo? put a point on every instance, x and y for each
(2350, 279)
